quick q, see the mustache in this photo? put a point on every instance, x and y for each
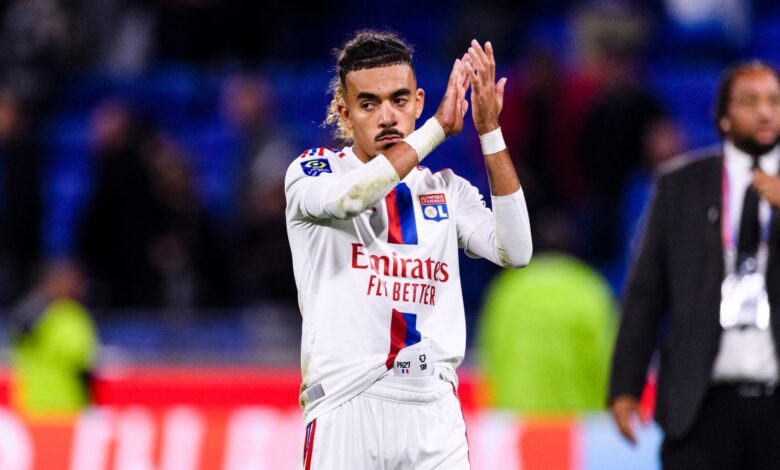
(390, 131)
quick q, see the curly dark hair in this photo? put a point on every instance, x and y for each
(366, 49)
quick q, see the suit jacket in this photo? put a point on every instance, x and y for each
(675, 281)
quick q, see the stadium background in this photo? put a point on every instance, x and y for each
(180, 116)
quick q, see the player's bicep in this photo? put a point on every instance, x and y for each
(304, 194)
(307, 183)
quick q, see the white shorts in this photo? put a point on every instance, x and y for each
(397, 423)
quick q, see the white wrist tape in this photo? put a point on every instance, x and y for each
(492, 142)
(426, 138)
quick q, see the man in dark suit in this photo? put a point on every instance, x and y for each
(705, 291)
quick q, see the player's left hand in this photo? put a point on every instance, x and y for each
(453, 106)
(487, 96)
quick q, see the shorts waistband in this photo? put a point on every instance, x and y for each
(409, 389)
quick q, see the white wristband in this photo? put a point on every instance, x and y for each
(426, 138)
(492, 142)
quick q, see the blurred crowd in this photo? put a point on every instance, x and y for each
(144, 236)
(584, 125)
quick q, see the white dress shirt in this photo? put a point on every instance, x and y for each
(745, 354)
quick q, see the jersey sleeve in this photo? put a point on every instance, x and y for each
(503, 235)
(315, 188)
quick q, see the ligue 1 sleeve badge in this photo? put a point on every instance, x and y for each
(434, 207)
(316, 166)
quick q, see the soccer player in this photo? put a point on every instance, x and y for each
(374, 239)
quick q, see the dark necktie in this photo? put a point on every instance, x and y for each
(749, 227)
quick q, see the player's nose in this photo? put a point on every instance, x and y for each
(387, 115)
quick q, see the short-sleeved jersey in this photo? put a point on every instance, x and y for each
(373, 284)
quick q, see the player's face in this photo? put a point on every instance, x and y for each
(752, 120)
(381, 107)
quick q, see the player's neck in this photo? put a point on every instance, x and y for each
(362, 155)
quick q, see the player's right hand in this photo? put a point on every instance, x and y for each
(453, 106)
(625, 409)
(487, 95)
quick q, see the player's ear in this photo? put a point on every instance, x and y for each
(420, 99)
(346, 119)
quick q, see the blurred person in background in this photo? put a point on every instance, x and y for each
(612, 37)
(704, 290)
(546, 331)
(54, 345)
(261, 258)
(263, 269)
(185, 251)
(249, 110)
(21, 191)
(146, 238)
(123, 215)
(260, 264)
(546, 109)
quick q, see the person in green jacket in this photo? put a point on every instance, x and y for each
(546, 331)
(54, 342)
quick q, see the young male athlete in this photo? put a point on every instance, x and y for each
(374, 238)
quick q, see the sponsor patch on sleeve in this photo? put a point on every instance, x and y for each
(316, 167)
(434, 207)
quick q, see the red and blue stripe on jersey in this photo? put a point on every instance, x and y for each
(308, 445)
(403, 333)
(401, 226)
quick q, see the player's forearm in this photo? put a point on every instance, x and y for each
(354, 192)
(403, 157)
(362, 188)
(349, 195)
(501, 174)
(506, 239)
(512, 229)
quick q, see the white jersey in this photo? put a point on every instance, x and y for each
(371, 283)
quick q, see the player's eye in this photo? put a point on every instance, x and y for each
(367, 105)
(401, 101)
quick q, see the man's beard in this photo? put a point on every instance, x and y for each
(750, 146)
